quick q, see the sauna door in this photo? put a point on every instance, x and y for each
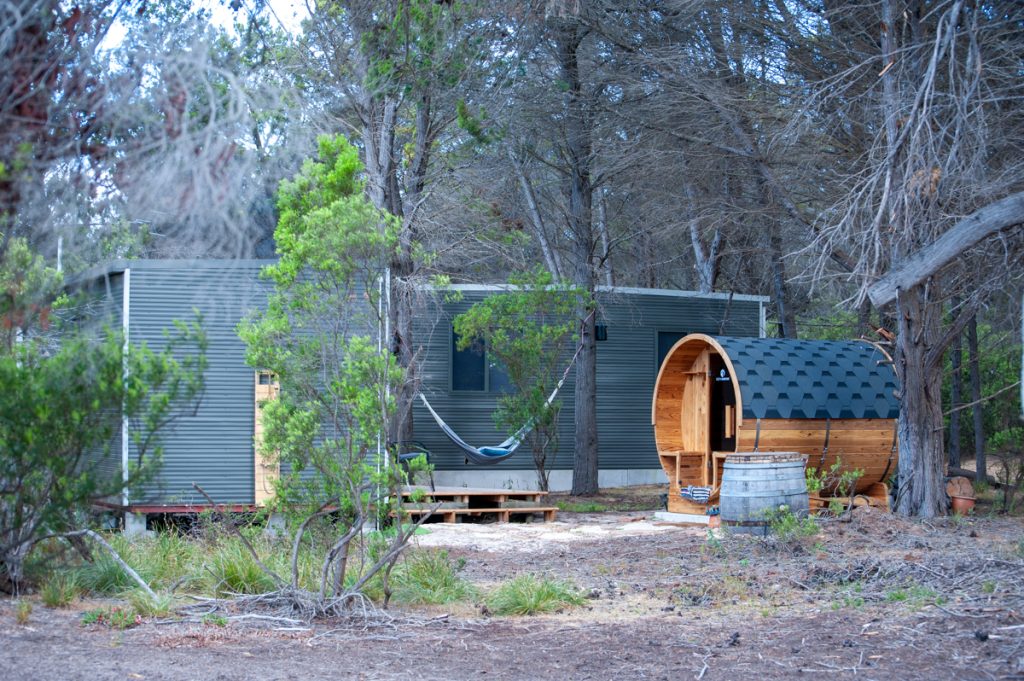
(722, 413)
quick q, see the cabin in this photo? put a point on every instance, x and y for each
(214, 448)
(834, 401)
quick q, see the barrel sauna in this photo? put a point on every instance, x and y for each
(829, 400)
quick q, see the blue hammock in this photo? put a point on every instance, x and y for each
(483, 455)
(486, 456)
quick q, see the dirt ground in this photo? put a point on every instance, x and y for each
(875, 598)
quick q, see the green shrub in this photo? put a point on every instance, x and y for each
(114, 617)
(787, 526)
(430, 577)
(529, 594)
(103, 576)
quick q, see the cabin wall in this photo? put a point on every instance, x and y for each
(213, 448)
(627, 365)
(101, 307)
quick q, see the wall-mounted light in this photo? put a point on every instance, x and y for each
(601, 332)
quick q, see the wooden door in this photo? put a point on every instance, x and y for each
(267, 468)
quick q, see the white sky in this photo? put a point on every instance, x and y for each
(287, 14)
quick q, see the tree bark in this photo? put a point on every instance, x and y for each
(963, 235)
(921, 489)
(578, 154)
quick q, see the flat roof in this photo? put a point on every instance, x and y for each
(631, 290)
(119, 266)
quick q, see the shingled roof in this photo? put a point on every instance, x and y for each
(796, 379)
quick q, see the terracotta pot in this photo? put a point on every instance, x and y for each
(963, 505)
(714, 521)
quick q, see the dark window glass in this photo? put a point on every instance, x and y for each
(666, 339)
(498, 376)
(469, 366)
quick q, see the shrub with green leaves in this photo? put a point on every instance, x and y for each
(320, 335)
(231, 569)
(65, 392)
(530, 594)
(60, 590)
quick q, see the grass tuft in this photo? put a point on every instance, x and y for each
(430, 577)
(529, 594)
(146, 606)
(232, 570)
(60, 590)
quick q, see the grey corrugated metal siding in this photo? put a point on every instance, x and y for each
(214, 448)
(626, 369)
(103, 303)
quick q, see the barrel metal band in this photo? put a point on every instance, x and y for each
(757, 434)
(824, 447)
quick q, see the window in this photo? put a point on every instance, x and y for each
(473, 371)
(666, 339)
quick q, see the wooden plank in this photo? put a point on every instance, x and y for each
(502, 515)
(820, 424)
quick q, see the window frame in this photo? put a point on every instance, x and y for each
(488, 366)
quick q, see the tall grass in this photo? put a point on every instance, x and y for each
(430, 577)
(529, 595)
(231, 569)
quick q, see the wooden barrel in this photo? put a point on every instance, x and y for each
(755, 484)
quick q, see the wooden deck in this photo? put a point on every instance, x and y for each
(461, 504)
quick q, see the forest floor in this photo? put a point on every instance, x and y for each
(878, 597)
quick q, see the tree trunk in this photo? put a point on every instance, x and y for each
(579, 190)
(976, 410)
(955, 396)
(922, 490)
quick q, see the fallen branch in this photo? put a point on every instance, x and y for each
(117, 558)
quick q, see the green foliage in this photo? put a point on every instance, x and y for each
(320, 336)
(231, 570)
(527, 330)
(529, 594)
(215, 620)
(789, 527)
(999, 367)
(63, 400)
(581, 507)
(113, 617)
(22, 611)
(59, 590)
(430, 577)
(144, 605)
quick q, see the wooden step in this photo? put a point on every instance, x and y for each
(501, 515)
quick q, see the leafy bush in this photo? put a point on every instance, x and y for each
(529, 594)
(788, 527)
(145, 605)
(63, 401)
